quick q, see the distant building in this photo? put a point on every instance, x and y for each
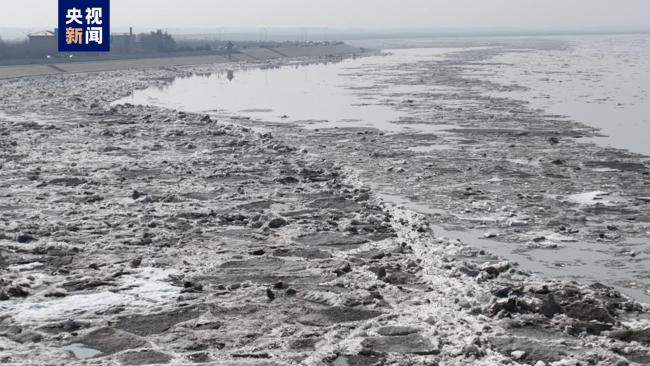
(123, 42)
(43, 43)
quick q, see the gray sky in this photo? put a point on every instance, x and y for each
(522, 14)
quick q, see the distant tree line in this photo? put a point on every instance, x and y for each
(147, 43)
(144, 43)
(157, 41)
(16, 50)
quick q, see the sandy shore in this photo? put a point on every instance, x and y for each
(136, 235)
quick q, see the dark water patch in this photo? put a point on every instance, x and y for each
(336, 314)
(110, 340)
(333, 239)
(148, 324)
(618, 165)
(145, 357)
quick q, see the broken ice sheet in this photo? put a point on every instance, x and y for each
(142, 289)
(596, 197)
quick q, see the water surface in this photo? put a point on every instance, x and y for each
(602, 81)
(320, 95)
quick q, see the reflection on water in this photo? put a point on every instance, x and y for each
(319, 95)
(602, 81)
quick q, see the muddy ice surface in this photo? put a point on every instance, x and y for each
(421, 102)
(511, 179)
(140, 235)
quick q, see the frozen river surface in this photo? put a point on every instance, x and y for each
(601, 81)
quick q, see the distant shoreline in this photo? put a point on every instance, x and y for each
(329, 34)
(54, 66)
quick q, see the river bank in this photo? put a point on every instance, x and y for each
(250, 54)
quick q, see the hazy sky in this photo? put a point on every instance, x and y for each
(523, 14)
